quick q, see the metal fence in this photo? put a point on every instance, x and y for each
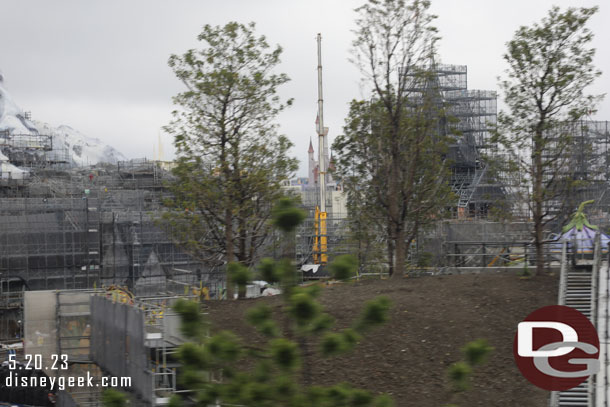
(118, 343)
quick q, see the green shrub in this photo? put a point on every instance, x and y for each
(343, 267)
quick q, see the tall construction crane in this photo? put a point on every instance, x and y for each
(320, 241)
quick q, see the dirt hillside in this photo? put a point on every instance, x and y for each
(430, 320)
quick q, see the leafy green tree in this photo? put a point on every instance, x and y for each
(550, 64)
(392, 149)
(230, 159)
(368, 156)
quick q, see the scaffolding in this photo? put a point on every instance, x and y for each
(91, 227)
(581, 172)
(58, 323)
(103, 334)
(28, 151)
(475, 115)
(582, 166)
(26, 141)
(590, 161)
(336, 223)
(10, 316)
(138, 339)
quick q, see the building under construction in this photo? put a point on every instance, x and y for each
(86, 228)
(582, 149)
(473, 114)
(31, 151)
(585, 156)
(87, 270)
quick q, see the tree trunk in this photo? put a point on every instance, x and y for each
(399, 268)
(290, 250)
(253, 242)
(306, 372)
(241, 292)
(540, 263)
(393, 205)
(538, 203)
(391, 255)
(229, 248)
(243, 236)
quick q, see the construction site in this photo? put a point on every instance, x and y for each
(70, 235)
(89, 270)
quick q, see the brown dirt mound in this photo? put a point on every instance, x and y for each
(430, 320)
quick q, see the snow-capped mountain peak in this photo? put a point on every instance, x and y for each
(67, 142)
(82, 150)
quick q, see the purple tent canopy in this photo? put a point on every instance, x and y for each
(583, 238)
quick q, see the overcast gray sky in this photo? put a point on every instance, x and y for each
(101, 66)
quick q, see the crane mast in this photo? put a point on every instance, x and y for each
(320, 241)
(322, 164)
